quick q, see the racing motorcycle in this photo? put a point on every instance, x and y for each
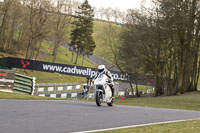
(103, 91)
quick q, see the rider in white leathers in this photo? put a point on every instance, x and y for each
(102, 69)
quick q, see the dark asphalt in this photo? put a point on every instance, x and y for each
(20, 116)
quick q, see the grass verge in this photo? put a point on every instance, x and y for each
(188, 101)
(178, 127)
(143, 88)
(6, 95)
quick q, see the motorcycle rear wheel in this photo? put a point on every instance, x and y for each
(98, 98)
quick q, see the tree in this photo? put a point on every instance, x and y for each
(187, 23)
(122, 17)
(37, 16)
(167, 40)
(96, 13)
(108, 12)
(3, 27)
(101, 11)
(11, 31)
(116, 14)
(81, 35)
(143, 41)
(14, 15)
(75, 6)
(132, 34)
(60, 26)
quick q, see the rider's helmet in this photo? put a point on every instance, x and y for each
(101, 68)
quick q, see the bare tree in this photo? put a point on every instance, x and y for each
(75, 5)
(108, 13)
(116, 14)
(15, 14)
(60, 26)
(122, 17)
(168, 43)
(36, 18)
(5, 18)
(101, 11)
(96, 13)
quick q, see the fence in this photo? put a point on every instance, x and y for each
(75, 91)
(24, 84)
(144, 92)
(63, 90)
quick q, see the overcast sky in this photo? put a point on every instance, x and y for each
(122, 4)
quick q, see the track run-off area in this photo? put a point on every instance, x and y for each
(49, 116)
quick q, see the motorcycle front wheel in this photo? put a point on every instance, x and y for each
(98, 98)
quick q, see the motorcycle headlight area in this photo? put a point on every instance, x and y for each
(99, 86)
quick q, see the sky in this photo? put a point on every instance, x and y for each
(121, 4)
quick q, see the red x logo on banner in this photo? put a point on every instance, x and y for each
(24, 65)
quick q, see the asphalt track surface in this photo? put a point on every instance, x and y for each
(21, 116)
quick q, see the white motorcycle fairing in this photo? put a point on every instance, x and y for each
(101, 85)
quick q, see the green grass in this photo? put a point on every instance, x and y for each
(102, 49)
(63, 59)
(45, 46)
(4, 55)
(5, 95)
(188, 101)
(45, 77)
(143, 88)
(178, 127)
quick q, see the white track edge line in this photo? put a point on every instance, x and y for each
(132, 126)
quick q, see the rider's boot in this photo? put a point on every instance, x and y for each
(113, 93)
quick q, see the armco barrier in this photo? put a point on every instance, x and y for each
(24, 84)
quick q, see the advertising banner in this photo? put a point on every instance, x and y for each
(71, 70)
(58, 68)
